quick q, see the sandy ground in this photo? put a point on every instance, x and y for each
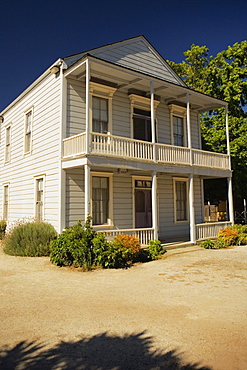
(186, 311)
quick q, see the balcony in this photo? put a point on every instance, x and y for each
(120, 147)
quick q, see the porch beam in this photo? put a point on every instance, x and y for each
(192, 210)
(230, 200)
(87, 169)
(153, 118)
(87, 104)
(154, 204)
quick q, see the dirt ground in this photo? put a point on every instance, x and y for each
(186, 311)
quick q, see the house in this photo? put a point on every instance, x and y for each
(113, 133)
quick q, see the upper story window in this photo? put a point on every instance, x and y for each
(141, 114)
(28, 131)
(100, 115)
(101, 98)
(178, 125)
(7, 144)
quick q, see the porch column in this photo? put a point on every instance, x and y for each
(152, 118)
(227, 137)
(192, 210)
(87, 104)
(154, 204)
(188, 127)
(87, 190)
(230, 200)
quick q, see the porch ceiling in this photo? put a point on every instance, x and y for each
(125, 79)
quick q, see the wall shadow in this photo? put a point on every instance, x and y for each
(101, 351)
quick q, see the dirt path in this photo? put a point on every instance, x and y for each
(188, 309)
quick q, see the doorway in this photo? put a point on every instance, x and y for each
(143, 206)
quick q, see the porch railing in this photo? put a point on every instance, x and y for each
(104, 144)
(210, 229)
(144, 235)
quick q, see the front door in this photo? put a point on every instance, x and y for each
(143, 208)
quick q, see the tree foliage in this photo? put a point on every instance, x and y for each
(225, 77)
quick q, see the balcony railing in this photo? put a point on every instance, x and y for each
(121, 147)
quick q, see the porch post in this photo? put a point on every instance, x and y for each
(87, 190)
(192, 210)
(230, 200)
(152, 119)
(188, 126)
(154, 204)
(227, 138)
(87, 104)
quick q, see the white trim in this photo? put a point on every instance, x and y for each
(109, 175)
(26, 112)
(5, 186)
(105, 92)
(36, 179)
(178, 111)
(134, 178)
(9, 145)
(186, 180)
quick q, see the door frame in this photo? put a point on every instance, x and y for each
(134, 178)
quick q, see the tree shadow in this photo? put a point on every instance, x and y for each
(100, 352)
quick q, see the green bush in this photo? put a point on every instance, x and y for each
(208, 244)
(74, 246)
(155, 249)
(30, 239)
(3, 225)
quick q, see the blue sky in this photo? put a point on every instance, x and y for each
(36, 33)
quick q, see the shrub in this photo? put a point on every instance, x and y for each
(208, 244)
(30, 239)
(74, 246)
(3, 225)
(102, 251)
(229, 236)
(155, 249)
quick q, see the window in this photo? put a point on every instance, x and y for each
(178, 131)
(102, 198)
(100, 115)
(7, 145)
(5, 202)
(178, 128)
(39, 209)
(181, 200)
(28, 131)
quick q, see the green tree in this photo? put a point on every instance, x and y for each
(225, 77)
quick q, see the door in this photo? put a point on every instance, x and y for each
(143, 208)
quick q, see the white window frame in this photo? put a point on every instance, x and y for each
(105, 92)
(178, 111)
(186, 180)
(134, 178)
(109, 175)
(26, 113)
(7, 152)
(36, 181)
(142, 102)
(5, 208)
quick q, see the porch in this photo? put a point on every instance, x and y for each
(203, 231)
(121, 147)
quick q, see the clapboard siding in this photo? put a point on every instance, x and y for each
(163, 124)
(74, 196)
(122, 201)
(76, 107)
(22, 169)
(121, 114)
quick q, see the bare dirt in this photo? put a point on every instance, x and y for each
(186, 311)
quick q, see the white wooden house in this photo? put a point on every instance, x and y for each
(113, 133)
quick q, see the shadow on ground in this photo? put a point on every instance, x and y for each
(101, 351)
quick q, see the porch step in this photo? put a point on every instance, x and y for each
(177, 245)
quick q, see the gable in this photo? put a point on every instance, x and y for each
(136, 54)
